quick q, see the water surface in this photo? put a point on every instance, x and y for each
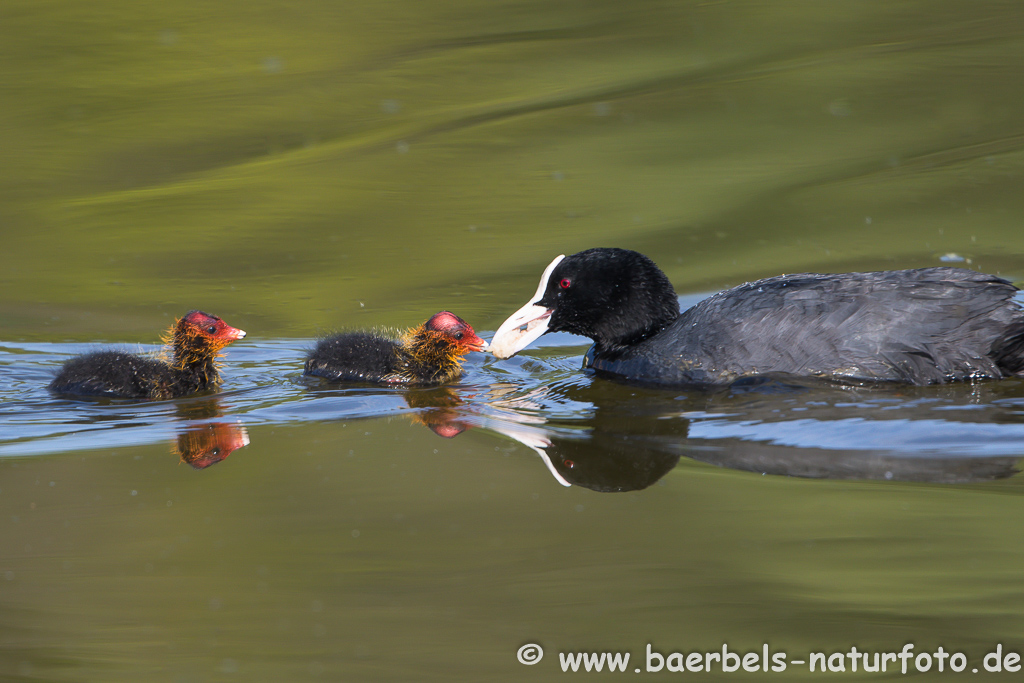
(299, 168)
(364, 531)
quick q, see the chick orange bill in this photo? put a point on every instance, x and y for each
(526, 324)
(474, 342)
(232, 333)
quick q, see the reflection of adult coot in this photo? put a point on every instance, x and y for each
(632, 436)
(770, 402)
(820, 463)
(624, 444)
(610, 462)
(609, 450)
(607, 436)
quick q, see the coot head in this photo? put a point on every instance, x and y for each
(210, 327)
(616, 297)
(455, 330)
(196, 335)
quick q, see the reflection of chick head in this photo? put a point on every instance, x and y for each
(437, 410)
(208, 444)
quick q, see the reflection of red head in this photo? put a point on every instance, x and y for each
(208, 444)
(448, 430)
(437, 410)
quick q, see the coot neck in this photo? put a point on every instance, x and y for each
(194, 360)
(431, 358)
(610, 346)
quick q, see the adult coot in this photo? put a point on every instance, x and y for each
(924, 326)
(428, 354)
(194, 340)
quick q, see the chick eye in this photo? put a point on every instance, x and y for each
(212, 329)
(566, 283)
(458, 335)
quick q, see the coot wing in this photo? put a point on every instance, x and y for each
(921, 326)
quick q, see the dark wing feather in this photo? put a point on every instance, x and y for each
(922, 326)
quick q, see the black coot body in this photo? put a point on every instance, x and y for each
(925, 326)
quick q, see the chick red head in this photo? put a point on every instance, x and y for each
(212, 327)
(456, 329)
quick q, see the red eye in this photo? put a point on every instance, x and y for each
(566, 283)
(569, 463)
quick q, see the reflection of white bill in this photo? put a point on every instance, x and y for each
(506, 399)
(533, 437)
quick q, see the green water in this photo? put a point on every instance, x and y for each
(300, 167)
(283, 164)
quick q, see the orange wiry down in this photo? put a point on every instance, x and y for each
(186, 344)
(435, 350)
